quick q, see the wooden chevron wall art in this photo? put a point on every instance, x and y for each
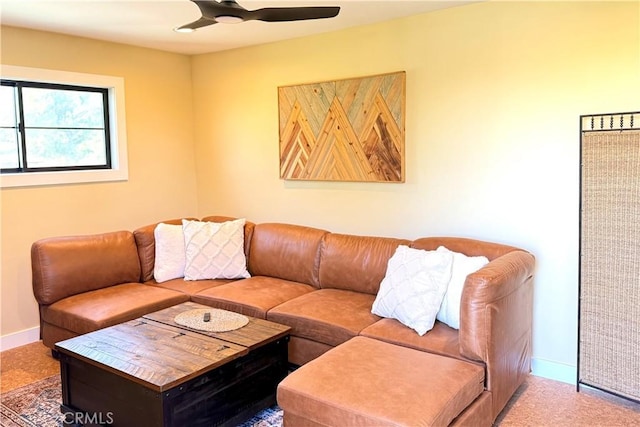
(345, 130)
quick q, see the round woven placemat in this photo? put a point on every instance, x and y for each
(221, 320)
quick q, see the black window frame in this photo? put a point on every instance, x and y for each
(22, 142)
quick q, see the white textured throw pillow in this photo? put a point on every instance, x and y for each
(214, 250)
(413, 287)
(462, 266)
(170, 256)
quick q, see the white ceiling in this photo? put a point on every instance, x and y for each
(150, 23)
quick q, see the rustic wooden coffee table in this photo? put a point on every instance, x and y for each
(153, 372)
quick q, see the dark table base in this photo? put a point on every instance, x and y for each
(225, 396)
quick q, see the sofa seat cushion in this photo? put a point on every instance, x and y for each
(253, 296)
(189, 287)
(370, 382)
(441, 339)
(98, 309)
(328, 316)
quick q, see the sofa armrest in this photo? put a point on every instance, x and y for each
(496, 320)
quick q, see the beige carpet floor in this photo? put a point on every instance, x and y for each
(538, 402)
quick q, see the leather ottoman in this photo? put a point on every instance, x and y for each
(370, 382)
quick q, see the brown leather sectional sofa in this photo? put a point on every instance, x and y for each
(322, 284)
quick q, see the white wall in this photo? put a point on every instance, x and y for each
(494, 95)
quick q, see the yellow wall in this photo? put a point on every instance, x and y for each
(494, 95)
(161, 158)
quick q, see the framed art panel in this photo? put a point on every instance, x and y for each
(344, 130)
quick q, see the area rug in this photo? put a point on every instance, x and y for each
(38, 405)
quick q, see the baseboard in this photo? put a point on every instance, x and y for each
(554, 370)
(18, 339)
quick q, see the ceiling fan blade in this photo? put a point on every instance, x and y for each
(280, 14)
(202, 22)
(212, 9)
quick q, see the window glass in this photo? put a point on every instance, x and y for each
(8, 129)
(62, 108)
(65, 148)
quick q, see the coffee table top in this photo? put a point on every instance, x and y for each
(156, 352)
(151, 353)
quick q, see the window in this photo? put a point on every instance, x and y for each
(53, 127)
(60, 127)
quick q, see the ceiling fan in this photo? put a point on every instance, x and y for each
(229, 11)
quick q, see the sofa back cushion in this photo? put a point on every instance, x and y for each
(355, 263)
(65, 266)
(285, 251)
(469, 247)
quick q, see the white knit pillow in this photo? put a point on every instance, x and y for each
(214, 250)
(170, 255)
(463, 265)
(413, 287)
